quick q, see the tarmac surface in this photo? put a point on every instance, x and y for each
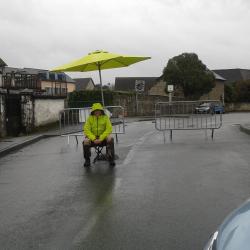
(159, 196)
(8, 145)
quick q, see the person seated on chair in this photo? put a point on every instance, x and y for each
(97, 130)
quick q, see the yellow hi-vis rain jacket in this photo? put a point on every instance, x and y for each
(100, 127)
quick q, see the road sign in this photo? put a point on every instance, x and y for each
(170, 88)
(139, 85)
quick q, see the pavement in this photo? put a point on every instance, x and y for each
(10, 144)
(157, 193)
(245, 128)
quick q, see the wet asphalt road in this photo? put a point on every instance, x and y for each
(160, 196)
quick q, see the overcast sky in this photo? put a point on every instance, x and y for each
(48, 33)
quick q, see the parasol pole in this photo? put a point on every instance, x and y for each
(100, 75)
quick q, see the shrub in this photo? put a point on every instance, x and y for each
(80, 99)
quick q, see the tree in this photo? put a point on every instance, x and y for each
(187, 72)
(229, 93)
(242, 91)
(237, 91)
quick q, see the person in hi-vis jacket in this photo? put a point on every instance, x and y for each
(97, 130)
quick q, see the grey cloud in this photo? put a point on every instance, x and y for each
(49, 33)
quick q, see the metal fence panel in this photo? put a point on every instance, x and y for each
(185, 115)
(71, 120)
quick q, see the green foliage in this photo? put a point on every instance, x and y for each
(242, 91)
(238, 92)
(80, 99)
(187, 72)
(229, 93)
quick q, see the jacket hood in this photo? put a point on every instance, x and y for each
(96, 106)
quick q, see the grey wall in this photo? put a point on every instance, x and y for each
(143, 105)
(47, 110)
(237, 107)
(2, 116)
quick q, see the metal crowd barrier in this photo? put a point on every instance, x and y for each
(71, 120)
(185, 115)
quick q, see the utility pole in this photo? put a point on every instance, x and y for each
(170, 90)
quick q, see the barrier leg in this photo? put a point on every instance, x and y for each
(171, 135)
(76, 139)
(212, 134)
(116, 138)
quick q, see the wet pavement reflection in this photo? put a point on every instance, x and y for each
(159, 196)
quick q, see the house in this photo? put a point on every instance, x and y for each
(2, 63)
(30, 98)
(49, 83)
(137, 84)
(156, 86)
(217, 92)
(84, 84)
(233, 75)
(159, 88)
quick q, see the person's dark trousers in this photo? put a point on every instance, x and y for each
(111, 151)
(86, 153)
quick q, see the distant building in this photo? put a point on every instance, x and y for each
(233, 75)
(132, 84)
(47, 82)
(30, 98)
(217, 93)
(157, 86)
(2, 63)
(84, 84)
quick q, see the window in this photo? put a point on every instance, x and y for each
(42, 76)
(52, 76)
(48, 90)
(61, 77)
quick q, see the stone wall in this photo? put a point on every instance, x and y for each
(142, 105)
(47, 111)
(237, 107)
(2, 116)
(158, 89)
(27, 112)
(217, 93)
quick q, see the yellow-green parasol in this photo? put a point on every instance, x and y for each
(99, 60)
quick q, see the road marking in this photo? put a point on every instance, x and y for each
(91, 223)
(83, 234)
(131, 152)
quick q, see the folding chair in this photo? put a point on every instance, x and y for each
(99, 155)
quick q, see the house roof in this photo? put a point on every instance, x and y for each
(82, 83)
(218, 77)
(11, 69)
(128, 83)
(2, 63)
(233, 75)
(33, 71)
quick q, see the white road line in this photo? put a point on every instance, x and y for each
(131, 152)
(86, 230)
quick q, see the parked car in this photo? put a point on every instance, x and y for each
(213, 108)
(218, 108)
(234, 232)
(204, 108)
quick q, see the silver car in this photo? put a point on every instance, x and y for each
(204, 108)
(234, 232)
